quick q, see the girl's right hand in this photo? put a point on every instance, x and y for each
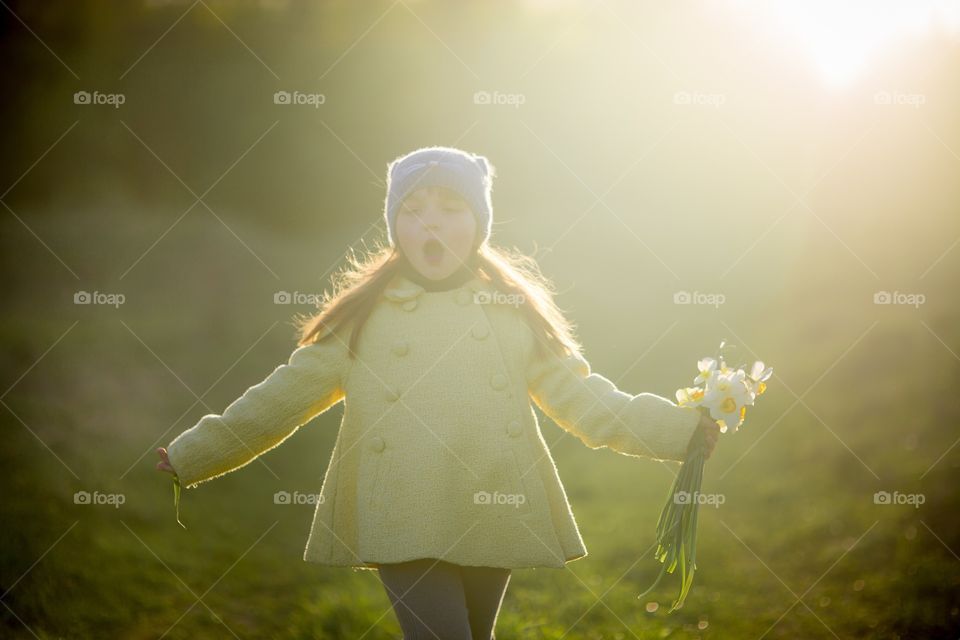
(707, 434)
(164, 464)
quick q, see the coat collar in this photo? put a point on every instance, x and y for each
(402, 288)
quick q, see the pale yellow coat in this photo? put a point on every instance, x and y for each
(439, 453)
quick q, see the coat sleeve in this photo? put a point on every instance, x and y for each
(308, 384)
(591, 407)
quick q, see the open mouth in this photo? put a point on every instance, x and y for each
(433, 251)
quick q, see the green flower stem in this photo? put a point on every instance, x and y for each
(677, 526)
(176, 498)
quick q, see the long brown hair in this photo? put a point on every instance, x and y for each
(358, 286)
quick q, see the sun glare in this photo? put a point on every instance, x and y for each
(842, 38)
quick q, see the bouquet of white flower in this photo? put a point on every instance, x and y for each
(724, 397)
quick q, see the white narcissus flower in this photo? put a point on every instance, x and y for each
(724, 368)
(708, 370)
(727, 398)
(690, 396)
(725, 392)
(758, 374)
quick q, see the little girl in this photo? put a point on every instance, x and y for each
(440, 478)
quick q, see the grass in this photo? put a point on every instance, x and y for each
(798, 549)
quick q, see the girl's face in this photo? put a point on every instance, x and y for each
(436, 231)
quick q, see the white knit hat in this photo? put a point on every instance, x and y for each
(468, 174)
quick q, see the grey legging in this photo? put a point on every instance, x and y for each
(438, 599)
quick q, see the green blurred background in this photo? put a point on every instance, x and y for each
(783, 163)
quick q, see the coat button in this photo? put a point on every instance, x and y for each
(514, 429)
(464, 297)
(401, 347)
(498, 381)
(480, 331)
(409, 305)
(376, 444)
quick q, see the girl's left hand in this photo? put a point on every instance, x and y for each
(164, 464)
(711, 434)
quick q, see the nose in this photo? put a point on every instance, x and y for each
(431, 218)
